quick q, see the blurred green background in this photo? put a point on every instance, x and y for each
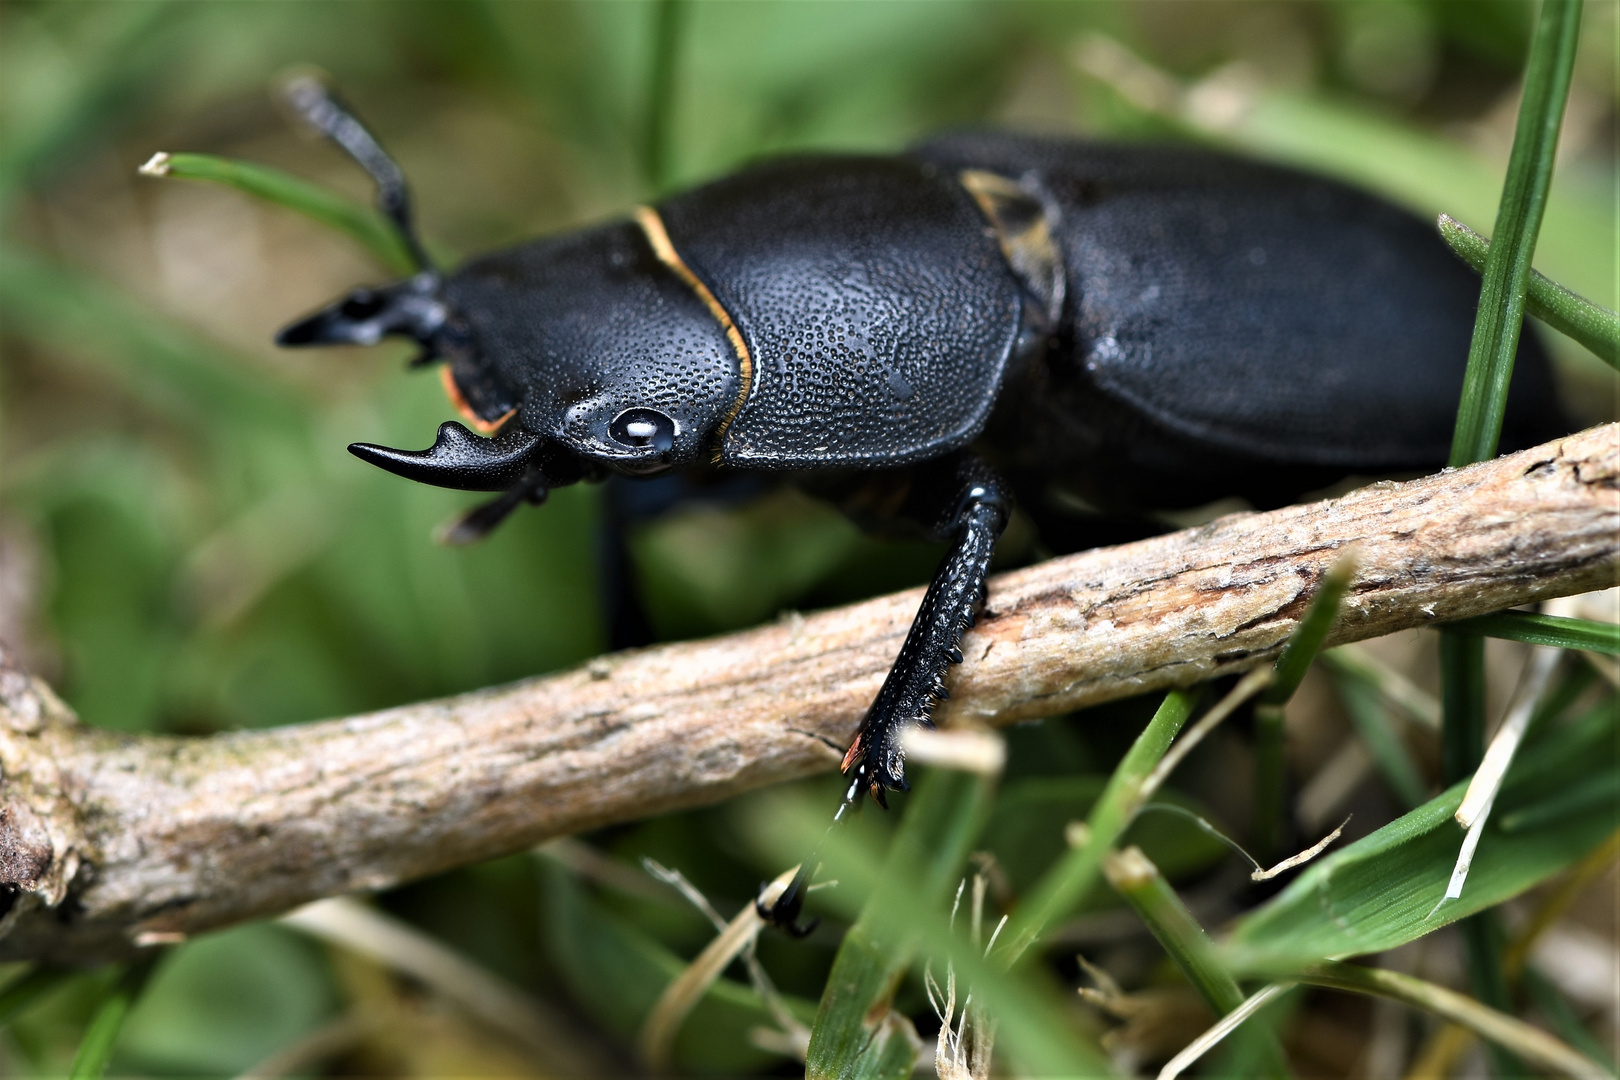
(185, 546)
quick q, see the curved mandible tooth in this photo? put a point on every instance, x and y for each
(459, 459)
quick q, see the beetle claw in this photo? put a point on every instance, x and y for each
(459, 459)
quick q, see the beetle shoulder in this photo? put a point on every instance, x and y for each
(875, 304)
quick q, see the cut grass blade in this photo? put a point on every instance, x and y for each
(1571, 314)
(365, 225)
(96, 1047)
(1560, 633)
(1067, 883)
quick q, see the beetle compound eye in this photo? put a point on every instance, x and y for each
(641, 428)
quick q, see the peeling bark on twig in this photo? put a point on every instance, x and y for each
(111, 842)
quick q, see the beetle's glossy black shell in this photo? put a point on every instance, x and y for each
(1226, 316)
(1254, 307)
(575, 329)
(878, 311)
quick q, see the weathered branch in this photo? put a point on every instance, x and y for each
(109, 842)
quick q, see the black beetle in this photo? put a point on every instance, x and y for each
(1091, 332)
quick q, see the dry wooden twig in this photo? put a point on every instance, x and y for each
(112, 842)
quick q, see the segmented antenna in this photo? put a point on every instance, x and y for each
(317, 106)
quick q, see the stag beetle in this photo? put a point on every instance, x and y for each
(1092, 332)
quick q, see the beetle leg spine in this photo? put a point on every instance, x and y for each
(653, 226)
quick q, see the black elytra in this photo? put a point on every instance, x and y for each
(1089, 332)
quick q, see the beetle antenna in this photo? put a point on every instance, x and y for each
(322, 110)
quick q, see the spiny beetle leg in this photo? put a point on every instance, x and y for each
(875, 763)
(917, 679)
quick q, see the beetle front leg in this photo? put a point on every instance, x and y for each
(875, 762)
(975, 510)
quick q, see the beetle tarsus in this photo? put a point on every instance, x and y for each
(783, 912)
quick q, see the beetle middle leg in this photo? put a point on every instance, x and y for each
(960, 497)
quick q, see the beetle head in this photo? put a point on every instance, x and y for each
(600, 346)
(585, 352)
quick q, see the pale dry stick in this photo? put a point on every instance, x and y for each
(155, 837)
(347, 923)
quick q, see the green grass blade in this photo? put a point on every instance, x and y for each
(1139, 882)
(23, 993)
(1518, 219)
(669, 20)
(1554, 630)
(96, 1047)
(1593, 325)
(362, 223)
(850, 1037)
(1306, 640)
(1303, 646)
(1067, 883)
(1381, 891)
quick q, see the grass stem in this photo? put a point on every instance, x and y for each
(1593, 325)
(1554, 630)
(851, 1036)
(1067, 883)
(361, 223)
(96, 1047)
(1534, 1046)
(1518, 221)
(669, 17)
(1134, 877)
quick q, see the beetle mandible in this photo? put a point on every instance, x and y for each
(1090, 332)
